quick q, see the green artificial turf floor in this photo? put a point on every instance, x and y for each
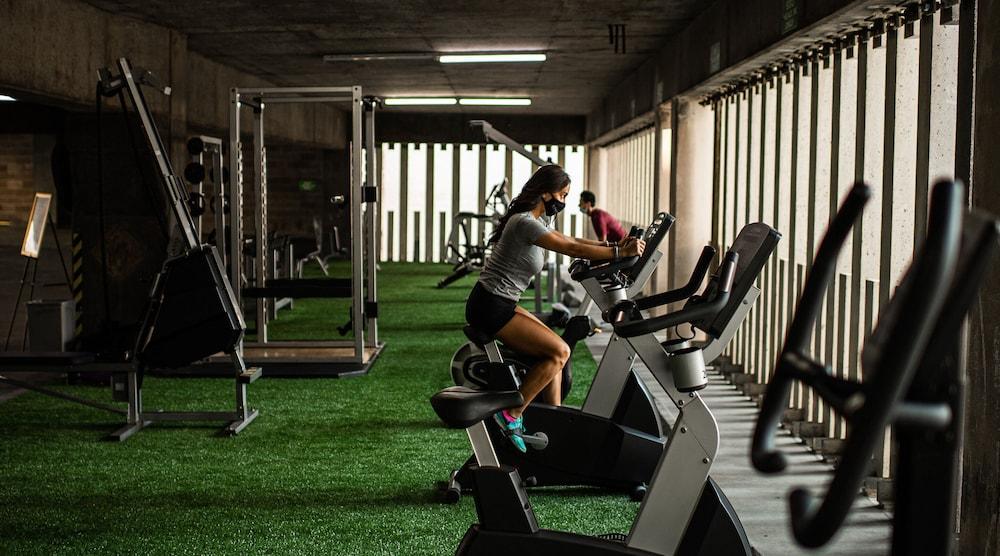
(331, 466)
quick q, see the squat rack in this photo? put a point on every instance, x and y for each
(323, 357)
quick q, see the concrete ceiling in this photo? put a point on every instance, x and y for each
(284, 41)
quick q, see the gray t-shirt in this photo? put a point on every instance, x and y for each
(515, 258)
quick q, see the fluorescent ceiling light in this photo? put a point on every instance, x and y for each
(5, 98)
(485, 58)
(495, 101)
(378, 56)
(416, 101)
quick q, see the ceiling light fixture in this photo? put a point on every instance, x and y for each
(378, 57)
(420, 101)
(5, 98)
(490, 58)
(495, 101)
(447, 58)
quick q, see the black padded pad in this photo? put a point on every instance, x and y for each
(477, 336)
(460, 407)
(755, 243)
(46, 358)
(301, 288)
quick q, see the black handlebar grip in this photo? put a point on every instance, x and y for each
(638, 327)
(763, 453)
(620, 311)
(904, 339)
(604, 269)
(685, 291)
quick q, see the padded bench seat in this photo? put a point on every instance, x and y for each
(40, 361)
(301, 288)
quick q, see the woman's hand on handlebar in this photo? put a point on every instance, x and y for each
(632, 247)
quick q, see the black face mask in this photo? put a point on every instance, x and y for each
(554, 206)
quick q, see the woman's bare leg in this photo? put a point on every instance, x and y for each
(526, 334)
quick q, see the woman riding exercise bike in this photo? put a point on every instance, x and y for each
(521, 238)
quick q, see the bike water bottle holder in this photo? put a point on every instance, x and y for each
(688, 368)
(676, 344)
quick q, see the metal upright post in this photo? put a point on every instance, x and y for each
(373, 179)
(220, 198)
(173, 186)
(235, 204)
(357, 228)
(260, 224)
(200, 190)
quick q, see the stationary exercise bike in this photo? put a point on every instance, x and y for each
(616, 439)
(637, 424)
(684, 512)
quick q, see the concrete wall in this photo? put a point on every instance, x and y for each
(64, 71)
(720, 39)
(16, 177)
(62, 74)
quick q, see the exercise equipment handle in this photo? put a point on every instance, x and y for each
(685, 291)
(580, 269)
(900, 344)
(639, 327)
(603, 268)
(763, 453)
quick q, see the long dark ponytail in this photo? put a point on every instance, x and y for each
(547, 179)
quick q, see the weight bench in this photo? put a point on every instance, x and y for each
(301, 288)
(129, 391)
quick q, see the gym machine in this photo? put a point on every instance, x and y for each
(191, 314)
(465, 253)
(307, 358)
(479, 362)
(684, 511)
(492, 134)
(199, 175)
(913, 380)
(619, 410)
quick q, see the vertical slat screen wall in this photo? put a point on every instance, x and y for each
(424, 185)
(880, 108)
(628, 190)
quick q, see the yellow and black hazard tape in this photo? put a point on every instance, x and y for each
(77, 287)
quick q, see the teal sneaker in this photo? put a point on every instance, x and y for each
(512, 430)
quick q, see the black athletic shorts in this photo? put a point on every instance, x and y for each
(488, 312)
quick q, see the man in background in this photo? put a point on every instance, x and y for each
(606, 227)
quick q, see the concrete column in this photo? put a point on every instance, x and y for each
(691, 186)
(597, 178)
(662, 188)
(981, 456)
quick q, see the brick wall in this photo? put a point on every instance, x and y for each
(291, 210)
(16, 178)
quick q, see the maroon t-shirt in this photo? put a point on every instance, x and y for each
(606, 225)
